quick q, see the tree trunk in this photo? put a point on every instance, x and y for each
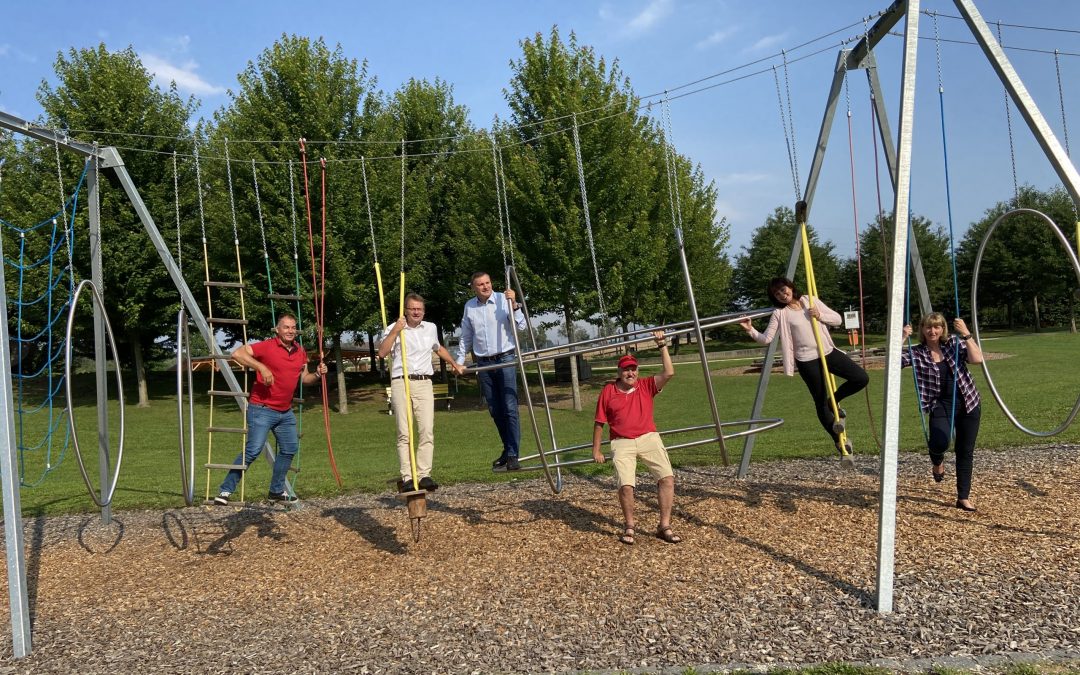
(1072, 314)
(140, 370)
(343, 394)
(373, 354)
(574, 385)
(1038, 323)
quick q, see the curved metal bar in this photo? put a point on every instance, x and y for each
(556, 482)
(767, 424)
(183, 371)
(529, 358)
(975, 316)
(67, 391)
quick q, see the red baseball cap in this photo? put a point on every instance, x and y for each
(627, 361)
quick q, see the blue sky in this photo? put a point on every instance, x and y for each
(733, 131)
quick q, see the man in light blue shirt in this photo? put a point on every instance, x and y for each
(486, 331)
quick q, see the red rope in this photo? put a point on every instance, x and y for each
(318, 289)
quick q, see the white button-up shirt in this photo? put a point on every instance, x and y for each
(420, 342)
(485, 327)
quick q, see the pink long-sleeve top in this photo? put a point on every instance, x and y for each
(797, 333)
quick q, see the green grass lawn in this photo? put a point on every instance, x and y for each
(1040, 381)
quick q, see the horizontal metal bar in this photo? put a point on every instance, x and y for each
(225, 284)
(230, 467)
(226, 430)
(233, 322)
(279, 296)
(234, 394)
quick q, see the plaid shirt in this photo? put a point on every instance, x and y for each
(928, 379)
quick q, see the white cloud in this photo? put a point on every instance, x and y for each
(640, 23)
(742, 178)
(716, 38)
(7, 50)
(768, 42)
(179, 44)
(187, 80)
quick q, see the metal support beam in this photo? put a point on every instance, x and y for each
(9, 476)
(100, 365)
(1020, 96)
(891, 418)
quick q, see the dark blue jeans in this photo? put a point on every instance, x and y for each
(499, 388)
(966, 427)
(261, 421)
(841, 367)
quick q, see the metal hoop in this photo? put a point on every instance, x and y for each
(67, 391)
(975, 316)
(183, 369)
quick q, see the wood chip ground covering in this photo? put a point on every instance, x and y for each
(776, 569)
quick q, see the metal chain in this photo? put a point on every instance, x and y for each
(673, 175)
(60, 182)
(506, 208)
(791, 123)
(367, 200)
(498, 197)
(668, 170)
(787, 136)
(176, 193)
(198, 182)
(1061, 99)
(588, 221)
(292, 212)
(232, 199)
(258, 209)
(937, 53)
(1008, 121)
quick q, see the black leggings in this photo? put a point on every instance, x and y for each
(840, 366)
(966, 426)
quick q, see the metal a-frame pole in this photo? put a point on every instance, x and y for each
(886, 557)
(859, 57)
(100, 374)
(19, 599)
(1059, 159)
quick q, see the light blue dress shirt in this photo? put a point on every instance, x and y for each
(485, 327)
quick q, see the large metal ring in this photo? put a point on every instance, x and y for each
(67, 391)
(975, 315)
(183, 371)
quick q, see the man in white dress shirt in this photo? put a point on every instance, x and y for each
(421, 339)
(486, 331)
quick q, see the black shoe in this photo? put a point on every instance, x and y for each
(512, 464)
(283, 497)
(426, 483)
(404, 485)
(499, 463)
(938, 477)
(222, 499)
(840, 424)
(964, 507)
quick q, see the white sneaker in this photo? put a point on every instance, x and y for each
(222, 499)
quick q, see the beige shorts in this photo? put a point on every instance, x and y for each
(625, 453)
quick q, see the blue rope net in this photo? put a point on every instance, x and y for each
(36, 315)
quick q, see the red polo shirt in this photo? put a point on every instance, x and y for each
(286, 364)
(629, 415)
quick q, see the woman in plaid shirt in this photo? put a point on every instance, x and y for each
(948, 395)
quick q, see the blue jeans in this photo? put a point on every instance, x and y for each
(499, 388)
(261, 421)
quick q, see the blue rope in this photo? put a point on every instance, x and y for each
(952, 256)
(54, 308)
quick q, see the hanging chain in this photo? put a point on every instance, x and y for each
(506, 209)
(1061, 99)
(232, 199)
(176, 192)
(198, 182)
(588, 221)
(937, 53)
(258, 209)
(1008, 121)
(791, 123)
(60, 182)
(498, 197)
(367, 200)
(787, 135)
(673, 176)
(292, 212)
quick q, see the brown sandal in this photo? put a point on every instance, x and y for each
(665, 534)
(627, 537)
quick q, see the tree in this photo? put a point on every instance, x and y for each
(112, 92)
(296, 88)
(768, 254)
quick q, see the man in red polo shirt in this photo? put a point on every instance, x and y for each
(279, 363)
(626, 406)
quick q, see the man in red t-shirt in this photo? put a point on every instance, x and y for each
(280, 364)
(626, 406)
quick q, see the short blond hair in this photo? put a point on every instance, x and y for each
(934, 319)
